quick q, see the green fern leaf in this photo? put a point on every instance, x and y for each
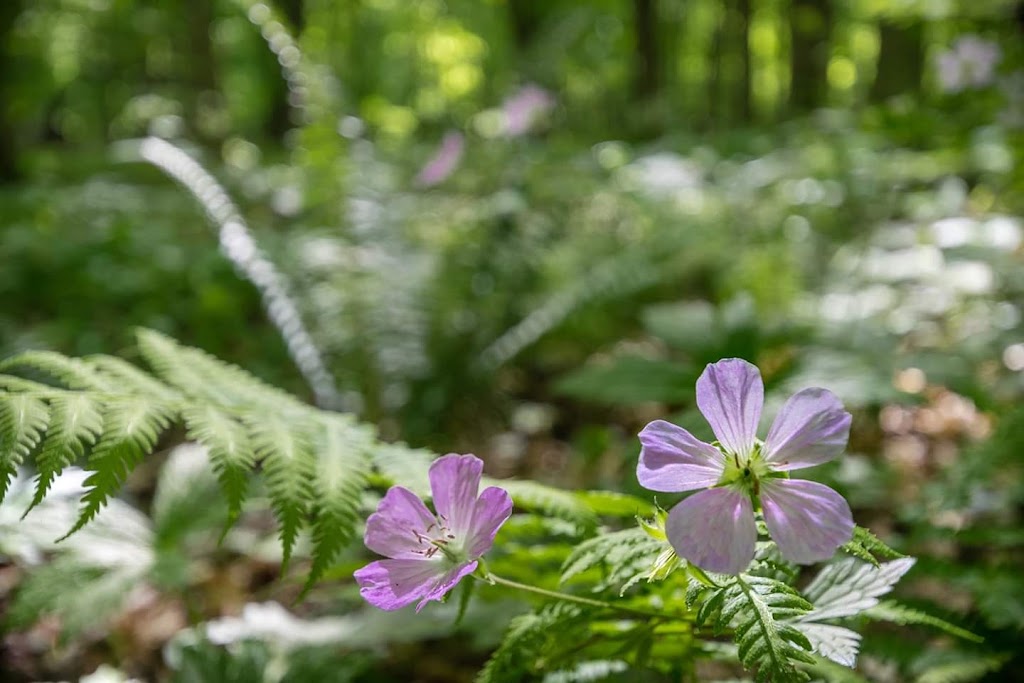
(230, 451)
(75, 424)
(128, 377)
(865, 546)
(289, 468)
(900, 614)
(23, 420)
(399, 463)
(532, 496)
(72, 372)
(626, 554)
(341, 476)
(200, 375)
(755, 607)
(516, 659)
(131, 428)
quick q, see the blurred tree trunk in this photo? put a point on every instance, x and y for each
(525, 17)
(9, 11)
(741, 31)
(810, 23)
(646, 81)
(200, 62)
(900, 60)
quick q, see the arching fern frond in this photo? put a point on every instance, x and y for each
(75, 425)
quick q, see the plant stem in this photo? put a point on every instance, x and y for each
(568, 597)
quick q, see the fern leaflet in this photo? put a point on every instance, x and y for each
(23, 419)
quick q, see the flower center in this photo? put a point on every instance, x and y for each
(745, 470)
(438, 539)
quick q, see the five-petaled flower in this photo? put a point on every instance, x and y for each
(428, 554)
(715, 529)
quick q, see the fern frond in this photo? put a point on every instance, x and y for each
(900, 614)
(199, 375)
(536, 497)
(399, 463)
(131, 429)
(626, 554)
(517, 657)
(230, 451)
(73, 373)
(866, 546)
(341, 476)
(966, 667)
(76, 422)
(23, 419)
(755, 608)
(289, 467)
(848, 587)
(128, 377)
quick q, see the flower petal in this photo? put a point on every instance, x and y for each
(492, 509)
(399, 523)
(730, 394)
(807, 520)
(714, 529)
(811, 428)
(447, 582)
(672, 459)
(393, 584)
(454, 482)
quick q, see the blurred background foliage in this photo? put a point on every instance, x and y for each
(521, 229)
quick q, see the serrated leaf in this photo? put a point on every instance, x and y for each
(848, 587)
(900, 614)
(836, 643)
(866, 546)
(230, 452)
(76, 422)
(23, 419)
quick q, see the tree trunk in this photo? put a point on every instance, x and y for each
(646, 81)
(9, 12)
(810, 23)
(900, 60)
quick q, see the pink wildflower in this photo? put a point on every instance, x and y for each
(444, 162)
(429, 554)
(715, 529)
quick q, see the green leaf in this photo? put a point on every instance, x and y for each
(23, 419)
(866, 546)
(76, 422)
(630, 380)
(230, 451)
(518, 657)
(72, 372)
(289, 467)
(341, 476)
(625, 553)
(899, 614)
(615, 504)
(536, 497)
(132, 425)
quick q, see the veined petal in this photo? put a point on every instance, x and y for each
(811, 428)
(393, 584)
(714, 529)
(447, 582)
(399, 523)
(808, 520)
(730, 394)
(672, 459)
(492, 509)
(454, 482)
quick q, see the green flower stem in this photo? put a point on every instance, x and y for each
(568, 597)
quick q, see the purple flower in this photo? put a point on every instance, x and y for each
(444, 162)
(970, 63)
(715, 528)
(428, 554)
(524, 108)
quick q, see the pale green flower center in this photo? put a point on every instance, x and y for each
(746, 470)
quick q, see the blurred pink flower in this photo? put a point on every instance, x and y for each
(444, 162)
(524, 108)
(715, 529)
(970, 63)
(429, 554)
